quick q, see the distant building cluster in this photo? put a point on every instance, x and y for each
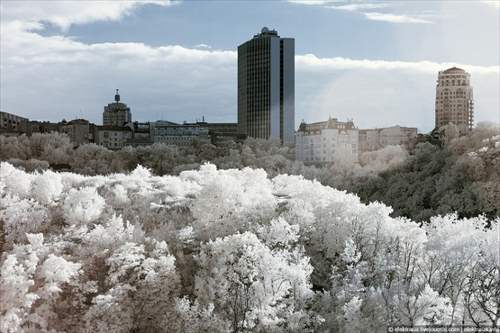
(266, 109)
(118, 129)
(333, 140)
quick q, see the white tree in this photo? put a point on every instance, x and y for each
(32, 274)
(83, 206)
(47, 187)
(245, 253)
(251, 287)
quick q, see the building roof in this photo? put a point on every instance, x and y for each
(164, 123)
(13, 115)
(266, 32)
(78, 121)
(329, 124)
(454, 69)
(379, 129)
(113, 128)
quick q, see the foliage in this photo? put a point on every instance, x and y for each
(215, 250)
(442, 175)
(462, 176)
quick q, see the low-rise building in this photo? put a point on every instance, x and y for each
(179, 134)
(327, 141)
(12, 124)
(141, 134)
(36, 126)
(112, 137)
(223, 132)
(378, 138)
(78, 131)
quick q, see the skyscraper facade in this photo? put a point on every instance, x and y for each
(266, 87)
(117, 113)
(454, 100)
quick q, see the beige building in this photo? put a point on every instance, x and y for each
(454, 100)
(327, 141)
(332, 140)
(78, 131)
(378, 138)
(117, 113)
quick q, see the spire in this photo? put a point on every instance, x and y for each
(117, 96)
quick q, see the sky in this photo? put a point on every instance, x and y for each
(373, 62)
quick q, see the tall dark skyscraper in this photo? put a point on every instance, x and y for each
(266, 87)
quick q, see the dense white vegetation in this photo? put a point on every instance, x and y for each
(442, 174)
(230, 251)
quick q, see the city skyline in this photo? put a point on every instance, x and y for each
(380, 80)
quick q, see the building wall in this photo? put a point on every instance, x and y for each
(13, 123)
(43, 127)
(78, 131)
(179, 135)
(254, 88)
(274, 90)
(368, 140)
(288, 91)
(329, 141)
(222, 127)
(113, 137)
(454, 100)
(116, 114)
(378, 138)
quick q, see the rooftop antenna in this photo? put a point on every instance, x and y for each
(117, 96)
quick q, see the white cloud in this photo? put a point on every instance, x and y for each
(52, 77)
(65, 13)
(203, 46)
(492, 3)
(392, 18)
(312, 62)
(360, 6)
(311, 2)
